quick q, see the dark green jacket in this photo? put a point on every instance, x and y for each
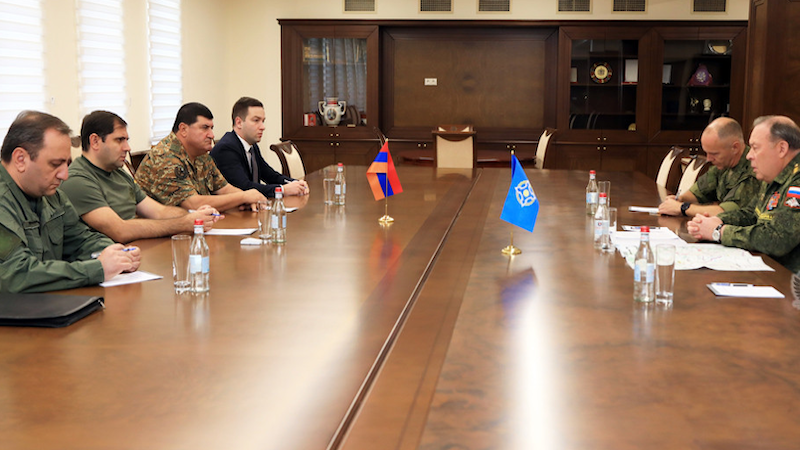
(732, 188)
(771, 222)
(47, 249)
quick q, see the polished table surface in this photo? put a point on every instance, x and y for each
(419, 335)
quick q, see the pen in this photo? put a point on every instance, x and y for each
(734, 284)
(213, 214)
(96, 255)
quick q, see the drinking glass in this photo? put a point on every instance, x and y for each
(181, 244)
(665, 273)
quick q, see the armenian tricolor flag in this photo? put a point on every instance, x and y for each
(382, 176)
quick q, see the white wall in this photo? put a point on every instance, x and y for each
(232, 48)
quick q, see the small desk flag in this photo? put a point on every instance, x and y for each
(382, 170)
(521, 206)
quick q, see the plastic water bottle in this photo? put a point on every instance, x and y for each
(602, 237)
(278, 218)
(591, 194)
(198, 259)
(644, 268)
(339, 186)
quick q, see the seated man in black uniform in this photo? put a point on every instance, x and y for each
(239, 159)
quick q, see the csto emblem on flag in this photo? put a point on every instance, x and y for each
(521, 207)
(525, 195)
(382, 176)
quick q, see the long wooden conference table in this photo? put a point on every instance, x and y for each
(417, 335)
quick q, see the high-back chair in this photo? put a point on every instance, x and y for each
(291, 160)
(693, 171)
(273, 160)
(669, 174)
(455, 146)
(541, 149)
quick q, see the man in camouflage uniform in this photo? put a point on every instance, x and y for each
(771, 222)
(178, 171)
(729, 185)
(43, 244)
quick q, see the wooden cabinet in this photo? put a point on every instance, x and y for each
(602, 90)
(619, 93)
(321, 62)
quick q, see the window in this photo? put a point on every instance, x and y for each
(101, 56)
(21, 60)
(166, 84)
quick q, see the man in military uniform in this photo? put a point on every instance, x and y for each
(179, 171)
(771, 222)
(43, 244)
(106, 197)
(729, 185)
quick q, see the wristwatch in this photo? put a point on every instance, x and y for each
(715, 234)
(684, 207)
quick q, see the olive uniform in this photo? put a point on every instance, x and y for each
(43, 244)
(168, 174)
(771, 222)
(733, 188)
(90, 187)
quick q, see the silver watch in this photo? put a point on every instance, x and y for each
(715, 235)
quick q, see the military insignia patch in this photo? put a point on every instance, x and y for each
(793, 191)
(773, 201)
(180, 172)
(792, 202)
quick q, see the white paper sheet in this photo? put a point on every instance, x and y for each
(130, 278)
(231, 231)
(744, 290)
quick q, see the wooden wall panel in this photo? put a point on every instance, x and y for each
(488, 79)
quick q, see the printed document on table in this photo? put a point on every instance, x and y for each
(718, 257)
(646, 209)
(130, 278)
(230, 231)
(627, 242)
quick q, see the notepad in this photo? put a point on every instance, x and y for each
(645, 209)
(744, 290)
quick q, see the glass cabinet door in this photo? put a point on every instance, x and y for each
(334, 81)
(604, 77)
(696, 83)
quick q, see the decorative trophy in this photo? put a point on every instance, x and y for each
(332, 110)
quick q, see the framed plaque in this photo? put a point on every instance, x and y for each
(601, 72)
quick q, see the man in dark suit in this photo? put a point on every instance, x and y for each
(239, 159)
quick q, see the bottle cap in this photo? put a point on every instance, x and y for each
(340, 164)
(198, 222)
(603, 195)
(644, 229)
(279, 189)
(592, 172)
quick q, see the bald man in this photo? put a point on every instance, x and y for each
(729, 185)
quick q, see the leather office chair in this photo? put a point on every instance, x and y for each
(669, 174)
(541, 149)
(693, 171)
(291, 161)
(455, 146)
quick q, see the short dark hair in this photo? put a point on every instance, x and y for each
(242, 106)
(27, 131)
(101, 123)
(781, 128)
(188, 114)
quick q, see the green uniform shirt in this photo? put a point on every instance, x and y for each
(90, 187)
(771, 222)
(733, 188)
(43, 244)
(169, 176)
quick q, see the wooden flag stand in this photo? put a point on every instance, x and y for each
(510, 250)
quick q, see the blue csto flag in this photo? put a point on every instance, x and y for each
(521, 206)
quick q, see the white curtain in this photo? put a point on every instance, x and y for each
(335, 68)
